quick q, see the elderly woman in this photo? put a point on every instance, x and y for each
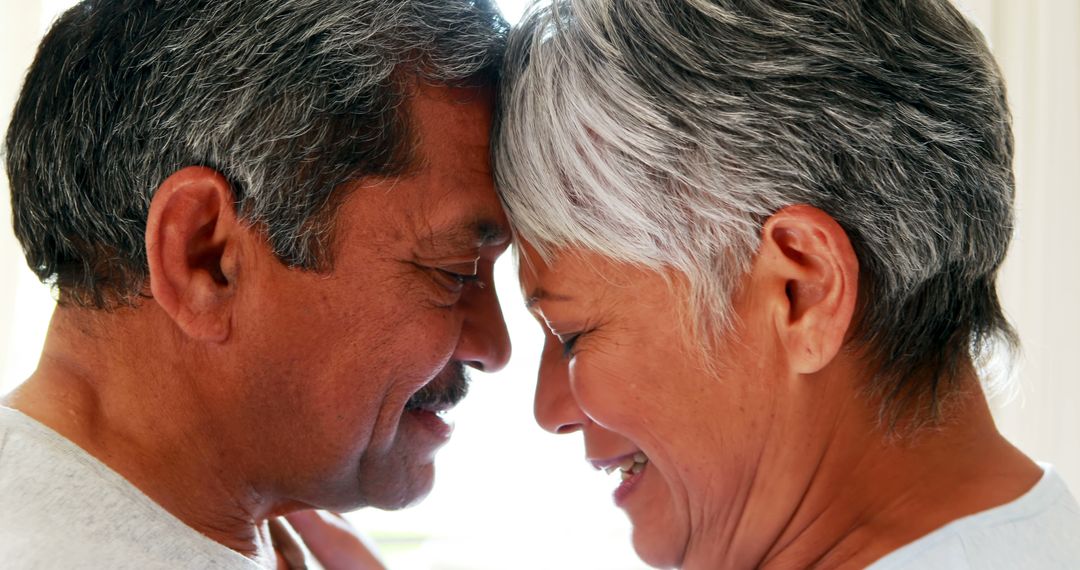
(762, 239)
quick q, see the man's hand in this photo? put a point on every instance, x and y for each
(334, 542)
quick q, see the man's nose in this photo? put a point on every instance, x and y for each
(484, 343)
(554, 406)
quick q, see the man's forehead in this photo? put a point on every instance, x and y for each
(452, 202)
(457, 115)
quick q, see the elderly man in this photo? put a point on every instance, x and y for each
(272, 228)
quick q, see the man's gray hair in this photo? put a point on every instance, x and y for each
(288, 99)
(663, 133)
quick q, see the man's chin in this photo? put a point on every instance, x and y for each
(402, 474)
(393, 491)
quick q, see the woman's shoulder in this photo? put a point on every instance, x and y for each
(1040, 529)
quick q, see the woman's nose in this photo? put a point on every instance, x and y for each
(555, 408)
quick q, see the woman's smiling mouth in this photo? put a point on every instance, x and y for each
(630, 467)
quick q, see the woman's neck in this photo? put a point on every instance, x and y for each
(835, 490)
(872, 493)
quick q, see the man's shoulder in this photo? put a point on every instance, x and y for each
(1037, 530)
(43, 475)
(60, 507)
(77, 551)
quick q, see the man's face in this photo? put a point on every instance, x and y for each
(345, 371)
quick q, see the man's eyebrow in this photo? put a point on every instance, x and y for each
(541, 294)
(480, 232)
(491, 232)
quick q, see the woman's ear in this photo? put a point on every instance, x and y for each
(808, 272)
(191, 242)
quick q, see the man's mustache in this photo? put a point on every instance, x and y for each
(445, 391)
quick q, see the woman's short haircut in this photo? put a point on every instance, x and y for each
(289, 99)
(663, 133)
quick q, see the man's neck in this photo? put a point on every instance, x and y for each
(107, 383)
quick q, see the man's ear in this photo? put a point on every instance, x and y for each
(191, 245)
(809, 274)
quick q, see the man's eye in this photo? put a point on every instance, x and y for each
(455, 279)
(459, 280)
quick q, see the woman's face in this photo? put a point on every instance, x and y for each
(619, 365)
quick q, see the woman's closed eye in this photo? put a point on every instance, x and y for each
(568, 342)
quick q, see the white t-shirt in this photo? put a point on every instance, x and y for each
(1038, 531)
(62, 508)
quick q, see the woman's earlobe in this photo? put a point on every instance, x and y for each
(190, 235)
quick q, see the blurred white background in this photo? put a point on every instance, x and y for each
(510, 495)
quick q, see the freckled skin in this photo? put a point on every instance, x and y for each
(765, 458)
(625, 388)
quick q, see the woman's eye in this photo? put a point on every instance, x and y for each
(568, 345)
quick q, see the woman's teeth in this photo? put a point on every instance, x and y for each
(630, 466)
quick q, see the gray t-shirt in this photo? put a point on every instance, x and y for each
(62, 508)
(1040, 530)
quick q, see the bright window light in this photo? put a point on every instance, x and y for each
(507, 494)
(513, 9)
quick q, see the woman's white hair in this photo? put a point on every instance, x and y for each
(663, 133)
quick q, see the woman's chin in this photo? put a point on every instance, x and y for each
(656, 549)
